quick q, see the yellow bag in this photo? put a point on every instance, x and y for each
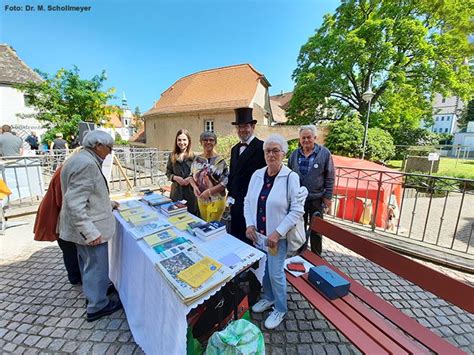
(4, 190)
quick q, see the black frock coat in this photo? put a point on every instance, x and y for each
(241, 169)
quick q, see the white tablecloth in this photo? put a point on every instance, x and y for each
(155, 314)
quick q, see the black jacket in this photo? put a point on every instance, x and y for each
(242, 167)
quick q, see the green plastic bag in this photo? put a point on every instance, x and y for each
(239, 337)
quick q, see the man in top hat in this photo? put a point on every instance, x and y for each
(246, 157)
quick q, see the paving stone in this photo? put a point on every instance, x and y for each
(31, 340)
(300, 315)
(277, 338)
(98, 335)
(13, 325)
(43, 343)
(114, 324)
(71, 334)
(319, 324)
(100, 348)
(305, 337)
(304, 349)
(292, 337)
(318, 337)
(331, 349)
(309, 314)
(9, 347)
(111, 336)
(10, 335)
(305, 325)
(124, 337)
(331, 337)
(20, 338)
(126, 349)
(317, 349)
(461, 340)
(291, 325)
(70, 346)
(85, 347)
(46, 331)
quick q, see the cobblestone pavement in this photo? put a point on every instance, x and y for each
(41, 312)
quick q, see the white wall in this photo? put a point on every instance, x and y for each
(12, 102)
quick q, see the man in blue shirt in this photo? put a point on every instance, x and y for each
(313, 163)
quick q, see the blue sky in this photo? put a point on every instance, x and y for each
(145, 46)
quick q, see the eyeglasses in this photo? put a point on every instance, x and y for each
(274, 151)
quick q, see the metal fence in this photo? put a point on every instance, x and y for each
(430, 209)
(28, 176)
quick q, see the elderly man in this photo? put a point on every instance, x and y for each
(86, 219)
(10, 145)
(315, 167)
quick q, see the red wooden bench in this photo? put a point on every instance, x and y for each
(372, 324)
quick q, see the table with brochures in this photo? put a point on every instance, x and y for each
(155, 312)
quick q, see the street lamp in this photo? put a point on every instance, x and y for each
(367, 96)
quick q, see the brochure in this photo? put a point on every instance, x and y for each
(142, 231)
(160, 237)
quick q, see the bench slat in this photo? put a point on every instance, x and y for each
(354, 334)
(410, 326)
(357, 316)
(395, 334)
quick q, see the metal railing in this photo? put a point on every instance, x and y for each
(28, 176)
(430, 209)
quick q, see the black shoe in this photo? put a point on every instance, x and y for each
(112, 307)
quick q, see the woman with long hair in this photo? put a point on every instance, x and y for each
(178, 171)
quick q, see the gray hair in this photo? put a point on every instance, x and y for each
(308, 127)
(95, 137)
(276, 139)
(206, 135)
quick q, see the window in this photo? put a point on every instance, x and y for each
(437, 118)
(27, 99)
(445, 130)
(443, 101)
(442, 118)
(448, 118)
(209, 126)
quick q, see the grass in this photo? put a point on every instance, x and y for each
(464, 169)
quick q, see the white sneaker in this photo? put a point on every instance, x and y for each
(274, 319)
(262, 305)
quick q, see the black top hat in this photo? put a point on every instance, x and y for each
(243, 115)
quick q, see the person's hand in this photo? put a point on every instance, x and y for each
(301, 195)
(178, 179)
(251, 233)
(95, 242)
(185, 182)
(206, 194)
(328, 203)
(115, 205)
(197, 192)
(273, 239)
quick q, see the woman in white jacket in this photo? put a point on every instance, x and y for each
(272, 208)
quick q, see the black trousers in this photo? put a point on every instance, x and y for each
(70, 261)
(316, 239)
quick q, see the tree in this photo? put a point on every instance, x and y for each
(410, 48)
(345, 137)
(64, 99)
(138, 119)
(467, 115)
(380, 145)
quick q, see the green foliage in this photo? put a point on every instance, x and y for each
(293, 144)
(445, 138)
(380, 145)
(64, 99)
(138, 119)
(407, 137)
(467, 115)
(345, 137)
(119, 140)
(411, 49)
(225, 144)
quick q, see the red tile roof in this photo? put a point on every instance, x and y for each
(221, 88)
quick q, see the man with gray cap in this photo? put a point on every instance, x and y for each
(86, 219)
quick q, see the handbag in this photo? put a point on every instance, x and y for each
(296, 236)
